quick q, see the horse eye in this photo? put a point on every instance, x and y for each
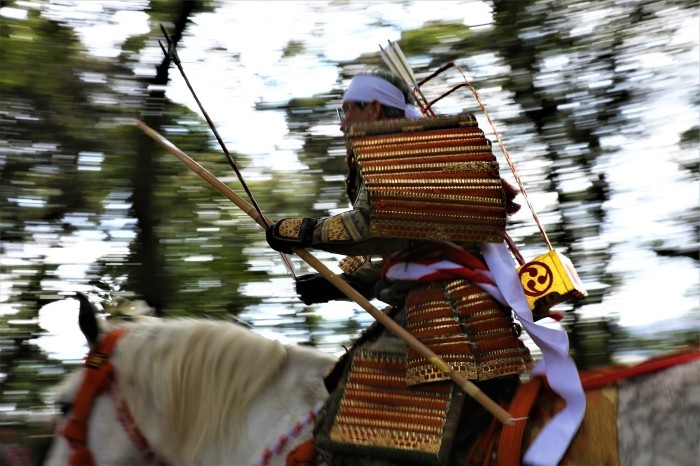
(65, 407)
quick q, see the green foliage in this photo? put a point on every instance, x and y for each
(432, 33)
(293, 47)
(691, 137)
(71, 162)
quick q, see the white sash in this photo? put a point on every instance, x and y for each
(559, 369)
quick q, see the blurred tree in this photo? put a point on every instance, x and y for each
(44, 169)
(150, 278)
(575, 88)
(71, 161)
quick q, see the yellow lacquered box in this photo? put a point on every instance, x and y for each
(550, 279)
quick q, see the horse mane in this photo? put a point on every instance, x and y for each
(199, 375)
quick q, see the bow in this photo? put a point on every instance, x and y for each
(171, 54)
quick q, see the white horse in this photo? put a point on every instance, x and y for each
(198, 391)
(214, 393)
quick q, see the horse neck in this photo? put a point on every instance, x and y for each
(294, 385)
(296, 390)
(126, 391)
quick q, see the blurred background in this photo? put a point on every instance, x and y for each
(596, 102)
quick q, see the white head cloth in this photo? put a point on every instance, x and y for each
(366, 88)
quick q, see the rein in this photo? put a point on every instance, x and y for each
(99, 374)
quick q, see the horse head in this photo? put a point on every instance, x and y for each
(101, 437)
(182, 391)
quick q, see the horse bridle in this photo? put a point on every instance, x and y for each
(99, 375)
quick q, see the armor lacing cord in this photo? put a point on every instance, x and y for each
(292, 432)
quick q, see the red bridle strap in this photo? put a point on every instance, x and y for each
(98, 375)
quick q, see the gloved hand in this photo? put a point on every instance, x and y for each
(313, 288)
(289, 233)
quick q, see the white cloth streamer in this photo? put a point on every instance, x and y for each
(560, 370)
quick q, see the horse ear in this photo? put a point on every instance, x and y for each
(87, 320)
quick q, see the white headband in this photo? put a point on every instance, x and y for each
(366, 88)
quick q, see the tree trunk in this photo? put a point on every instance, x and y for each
(149, 278)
